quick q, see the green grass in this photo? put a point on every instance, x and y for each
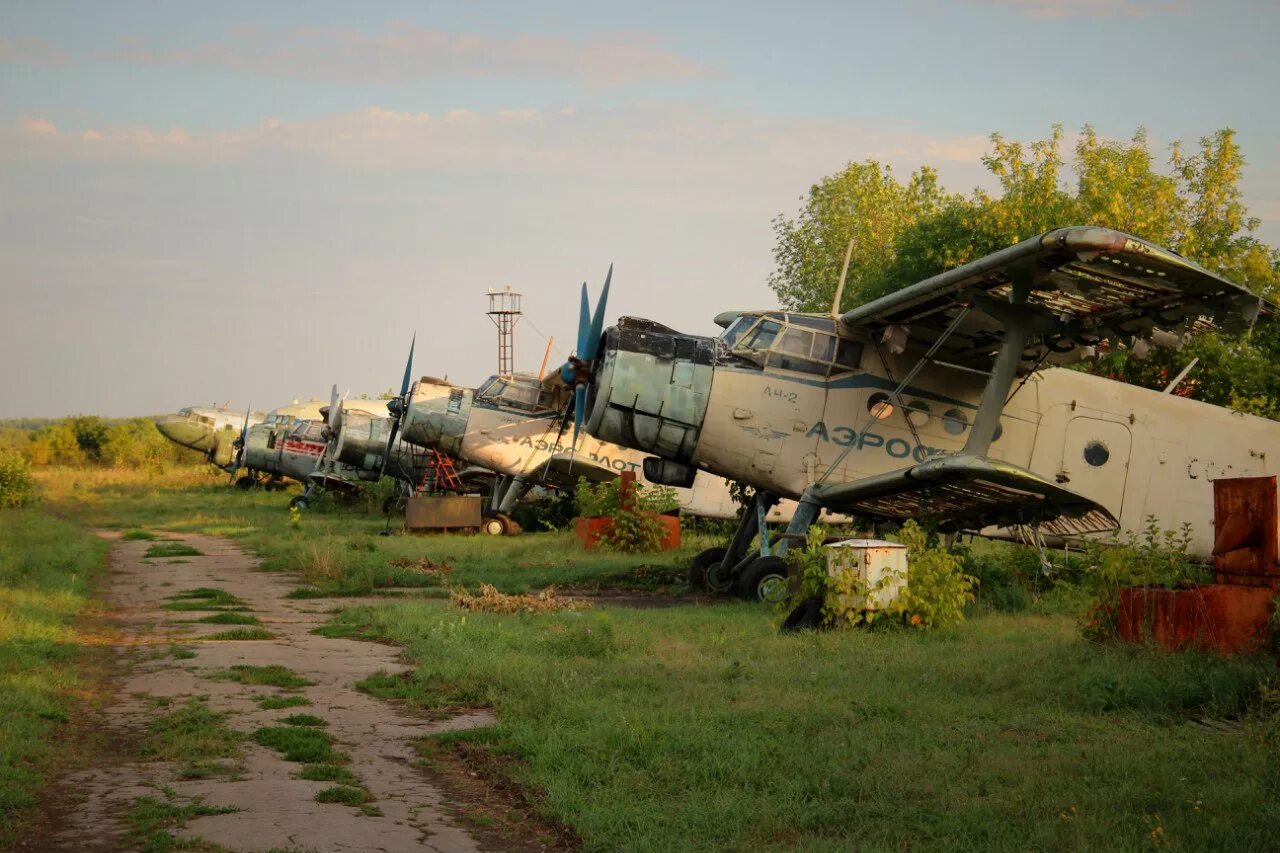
(203, 598)
(304, 720)
(339, 552)
(272, 703)
(136, 535)
(181, 652)
(298, 743)
(192, 732)
(702, 728)
(151, 819)
(229, 618)
(269, 676)
(345, 794)
(327, 773)
(45, 569)
(172, 549)
(242, 634)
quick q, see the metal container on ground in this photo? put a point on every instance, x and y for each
(877, 570)
(443, 513)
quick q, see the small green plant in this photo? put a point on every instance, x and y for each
(16, 486)
(242, 634)
(138, 535)
(345, 794)
(295, 518)
(226, 617)
(274, 703)
(327, 773)
(937, 587)
(152, 819)
(304, 720)
(172, 549)
(192, 732)
(299, 743)
(635, 526)
(1155, 558)
(269, 676)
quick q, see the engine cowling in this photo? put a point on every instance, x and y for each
(651, 388)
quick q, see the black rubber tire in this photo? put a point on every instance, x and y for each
(701, 563)
(806, 617)
(759, 581)
(299, 501)
(246, 483)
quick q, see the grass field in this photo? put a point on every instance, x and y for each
(700, 727)
(46, 566)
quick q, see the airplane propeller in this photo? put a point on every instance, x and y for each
(239, 446)
(577, 372)
(398, 407)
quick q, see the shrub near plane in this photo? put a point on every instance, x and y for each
(513, 427)
(934, 402)
(212, 430)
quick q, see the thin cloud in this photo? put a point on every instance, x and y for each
(402, 52)
(37, 126)
(32, 51)
(1060, 9)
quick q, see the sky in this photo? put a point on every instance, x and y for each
(252, 201)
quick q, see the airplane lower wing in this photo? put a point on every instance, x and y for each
(563, 470)
(335, 482)
(965, 492)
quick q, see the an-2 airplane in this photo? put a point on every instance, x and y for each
(934, 402)
(511, 426)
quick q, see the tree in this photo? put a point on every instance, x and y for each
(1196, 208)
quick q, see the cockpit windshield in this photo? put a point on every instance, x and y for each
(793, 342)
(525, 393)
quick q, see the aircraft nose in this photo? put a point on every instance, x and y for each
(438, 417)
(179, 429)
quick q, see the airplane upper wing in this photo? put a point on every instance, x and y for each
(1085, 284)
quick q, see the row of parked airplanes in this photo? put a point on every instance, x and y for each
(950, 401)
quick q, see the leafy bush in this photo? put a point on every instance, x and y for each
(636, 526)
(1155, 558)
(16, 485)
(938, 588)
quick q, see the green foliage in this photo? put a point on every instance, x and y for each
(151, 820)
(1155, 558)
(272, 703)
(273, 675)
(635, 527)
(345, 794)
(172, 549)
(90, 440)
(908, 232)
(304, 720)
(938, 589)
(16, 486)
(242, 634)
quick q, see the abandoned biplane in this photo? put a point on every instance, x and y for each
(212, 430)
(935, 402)
(512, 427)
(288, 444)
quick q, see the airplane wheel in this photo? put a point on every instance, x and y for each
(764, 580)
(300, 502)
(493, 525)
(702, 563)
(806, 617)
(246, 483)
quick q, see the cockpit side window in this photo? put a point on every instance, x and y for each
(848, 355)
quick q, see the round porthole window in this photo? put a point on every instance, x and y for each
(918, 413)
(879, 406)
(1096, 454)
(954, 421)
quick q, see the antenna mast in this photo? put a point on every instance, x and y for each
(504, 311)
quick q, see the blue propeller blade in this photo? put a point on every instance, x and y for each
(584, 324)
(408, 367)
(579, 411)
(590, 350)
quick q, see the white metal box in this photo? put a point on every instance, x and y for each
(879, 569)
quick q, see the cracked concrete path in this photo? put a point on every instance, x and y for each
(277, 810)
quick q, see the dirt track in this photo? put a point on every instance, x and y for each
(276, 809)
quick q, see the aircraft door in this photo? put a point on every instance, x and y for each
(1095, 460)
